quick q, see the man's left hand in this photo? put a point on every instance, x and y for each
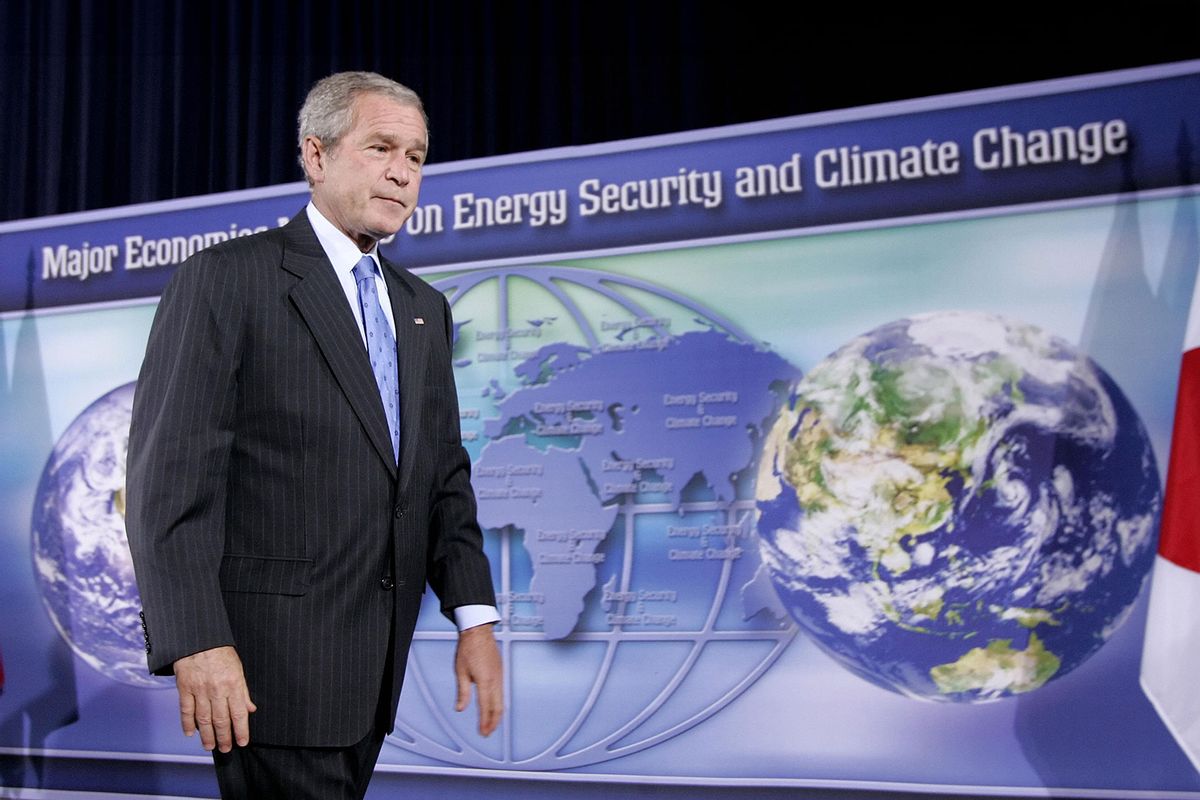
(477, 661)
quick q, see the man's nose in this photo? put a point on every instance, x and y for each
(400, 171)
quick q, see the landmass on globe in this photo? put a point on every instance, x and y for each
(586, 430)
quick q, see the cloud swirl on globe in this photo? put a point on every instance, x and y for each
(958, 506)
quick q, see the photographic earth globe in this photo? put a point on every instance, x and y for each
(958, 506)
(81, 556)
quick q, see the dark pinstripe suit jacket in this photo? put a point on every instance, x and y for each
(265, 510)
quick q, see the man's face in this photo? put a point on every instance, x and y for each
(367, 185)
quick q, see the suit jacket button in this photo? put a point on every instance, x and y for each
(387, 583)
(399, 511)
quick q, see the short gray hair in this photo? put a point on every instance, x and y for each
(328, 111)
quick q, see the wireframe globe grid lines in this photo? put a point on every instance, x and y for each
(612, 347)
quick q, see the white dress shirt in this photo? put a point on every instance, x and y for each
(344, 255)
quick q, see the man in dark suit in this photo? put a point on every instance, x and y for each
(296, 473)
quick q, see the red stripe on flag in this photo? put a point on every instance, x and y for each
(1179, 540)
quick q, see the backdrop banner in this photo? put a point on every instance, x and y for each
(822, 452)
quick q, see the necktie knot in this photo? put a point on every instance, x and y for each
(364, 269)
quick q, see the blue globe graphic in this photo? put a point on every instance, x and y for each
(80, 553)
(958, 506)
(614, 429)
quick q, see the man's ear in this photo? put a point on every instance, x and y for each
(315, 156)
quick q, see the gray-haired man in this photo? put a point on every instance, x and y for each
(296, 473)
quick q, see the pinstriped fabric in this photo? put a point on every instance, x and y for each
(265, 505)
(298, 773)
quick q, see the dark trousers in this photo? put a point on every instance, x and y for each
(268, 772)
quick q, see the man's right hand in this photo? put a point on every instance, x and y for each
(214, 698)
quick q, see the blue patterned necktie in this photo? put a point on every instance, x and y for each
(381, 347)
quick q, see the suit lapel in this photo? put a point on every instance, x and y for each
(412, 350)
(321, 302)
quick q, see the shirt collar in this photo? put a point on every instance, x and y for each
(342, 253)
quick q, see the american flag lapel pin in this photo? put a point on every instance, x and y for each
(418, 320)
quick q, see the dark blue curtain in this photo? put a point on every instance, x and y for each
(110, 103)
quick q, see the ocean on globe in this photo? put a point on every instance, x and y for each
(80, 552)
(614, 428)
(958, 506)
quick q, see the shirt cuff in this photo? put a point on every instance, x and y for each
(473, 616)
